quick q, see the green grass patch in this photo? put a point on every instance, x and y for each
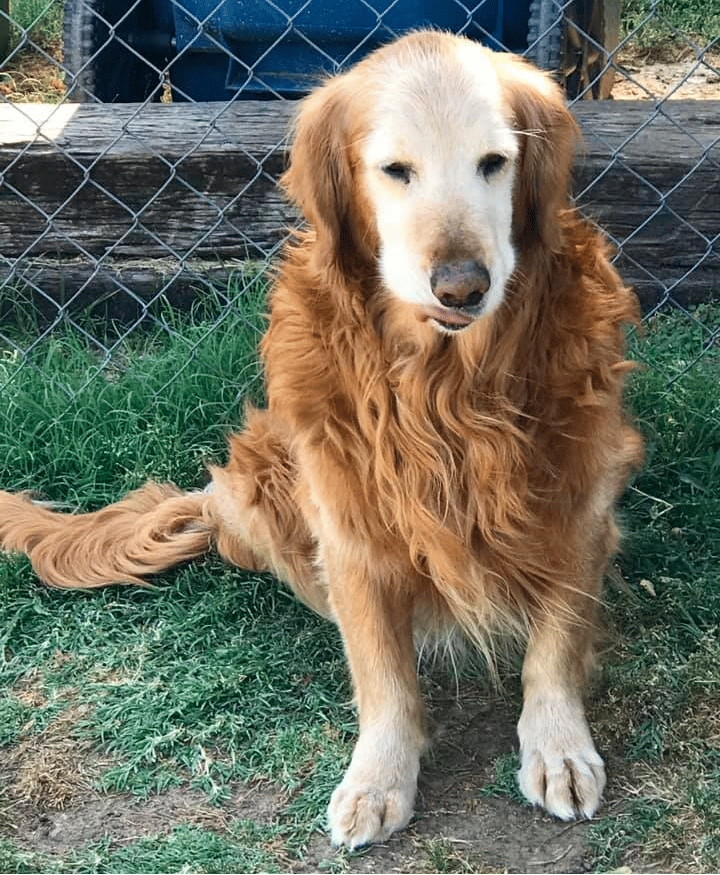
(92, 411)
(244, 847)
(219, 676)
(663, 22)
(40, 20)
(441, 856)
(659, 696)
(505, 780)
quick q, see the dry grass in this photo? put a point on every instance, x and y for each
(675, 841)
(54, 767)
(31, 77)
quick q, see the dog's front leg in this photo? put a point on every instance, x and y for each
(560, 767)
(377, 794)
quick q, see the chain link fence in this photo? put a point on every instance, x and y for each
(141, 141)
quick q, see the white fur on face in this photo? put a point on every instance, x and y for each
(440, 120)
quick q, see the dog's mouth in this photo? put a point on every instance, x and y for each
(447, 318)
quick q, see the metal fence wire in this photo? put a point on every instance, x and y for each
(134, 170)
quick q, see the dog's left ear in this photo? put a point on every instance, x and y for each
(548, 134)
(321, 177)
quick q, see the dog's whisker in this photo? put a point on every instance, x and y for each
(538, 134)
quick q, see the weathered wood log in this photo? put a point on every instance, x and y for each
(97, 198)
(651, 177)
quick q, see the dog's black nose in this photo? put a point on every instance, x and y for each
(460, 284)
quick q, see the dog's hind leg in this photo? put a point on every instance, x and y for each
(256, 515)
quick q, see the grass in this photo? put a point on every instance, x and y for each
(441, 856)
(505, 782)
(244, 848)
(661, 688)
(164, 394)
(34, 45)
(219, 676)
(40, 20)
(215, 677)
(33, 37)
(660, 24)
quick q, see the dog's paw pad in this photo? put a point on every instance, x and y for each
(361, 815)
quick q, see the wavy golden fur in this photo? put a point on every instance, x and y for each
(444, 439)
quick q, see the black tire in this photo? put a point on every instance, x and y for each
(545, 34)
(105, 69)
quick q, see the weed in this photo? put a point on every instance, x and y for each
(12, 859)
(662, 22)
(245, 848)
(505, 783)
(40, 19)
(34, 35)
(442, 856)
(615, 837)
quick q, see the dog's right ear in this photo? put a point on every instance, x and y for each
(321, 177)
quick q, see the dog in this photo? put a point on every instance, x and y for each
(444, 439)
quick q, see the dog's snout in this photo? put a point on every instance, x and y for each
(460, 284)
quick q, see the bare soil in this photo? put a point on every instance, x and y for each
(678, 78)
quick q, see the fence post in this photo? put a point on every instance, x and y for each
(4, 29)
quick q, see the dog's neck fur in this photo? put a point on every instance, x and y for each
(392, 402)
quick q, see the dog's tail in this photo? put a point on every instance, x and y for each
(152, 529)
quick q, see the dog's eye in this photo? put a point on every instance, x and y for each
(398, 171)
(491, 164)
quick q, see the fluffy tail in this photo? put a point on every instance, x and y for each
(150, 530)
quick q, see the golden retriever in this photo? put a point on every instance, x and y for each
(444, 439)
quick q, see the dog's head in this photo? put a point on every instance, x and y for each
(432, 163)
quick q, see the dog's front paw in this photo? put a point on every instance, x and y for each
(361, 814)
(377, 794)
(560, 768)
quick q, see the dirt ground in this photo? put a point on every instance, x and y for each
(684, 78)
(469, 831)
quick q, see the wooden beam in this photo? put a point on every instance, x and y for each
(650, 176)
(89, 192)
